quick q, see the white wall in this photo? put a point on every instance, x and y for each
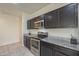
(24, 25)
(9, 29)
(61, 32)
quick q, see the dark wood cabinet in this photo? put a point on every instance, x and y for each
(66, 51)
(27, 42)
(28, 24)
(68, 16)
(42, 17)
(32, 23)
(47, 49)
(64, 17)
(51, 19)
(57, 53)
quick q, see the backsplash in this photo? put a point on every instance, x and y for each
(61, 32)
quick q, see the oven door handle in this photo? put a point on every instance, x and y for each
(34, 39)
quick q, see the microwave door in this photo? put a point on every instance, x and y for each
(37, 24)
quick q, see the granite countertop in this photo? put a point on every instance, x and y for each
(61, 42)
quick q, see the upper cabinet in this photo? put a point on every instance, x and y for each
(28, 24)
(68, 16)
(64, 17)
(51, 19)
(32, 24)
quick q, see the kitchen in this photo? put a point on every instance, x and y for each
(54, 32)
(39, 29)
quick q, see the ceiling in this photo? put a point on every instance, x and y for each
(19, 8)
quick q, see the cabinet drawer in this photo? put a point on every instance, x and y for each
(66, 51)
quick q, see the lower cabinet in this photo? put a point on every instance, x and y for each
(27, 42)
(58, 53)
(47, 49)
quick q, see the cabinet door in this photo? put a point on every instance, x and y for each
(68, 16)
(28, 24)
(51, 19)
(41, 17)
(27, 42)
(46, 50)
(32, 24)
(66, 51)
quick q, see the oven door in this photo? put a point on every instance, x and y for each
(35, 46)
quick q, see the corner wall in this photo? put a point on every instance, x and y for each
(9, 29)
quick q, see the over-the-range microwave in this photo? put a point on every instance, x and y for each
(39, 24)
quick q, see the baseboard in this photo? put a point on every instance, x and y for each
(10, 47)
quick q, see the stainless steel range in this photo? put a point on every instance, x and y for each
(35, 46)
(35, 43)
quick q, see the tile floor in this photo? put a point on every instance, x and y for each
(20, 51)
